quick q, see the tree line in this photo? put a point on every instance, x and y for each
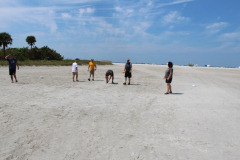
(35, 53)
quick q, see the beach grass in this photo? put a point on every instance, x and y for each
(53, 62)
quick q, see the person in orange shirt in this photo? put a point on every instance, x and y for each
(93, 67)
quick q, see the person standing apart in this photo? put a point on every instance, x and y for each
(109, 74)
(12, 66)
(75, 70)
(168, 76)
(93, 67)
(128, 71)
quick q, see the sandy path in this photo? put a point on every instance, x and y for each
(56, 119)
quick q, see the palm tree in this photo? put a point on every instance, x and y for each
(5, 40)
(31, 40)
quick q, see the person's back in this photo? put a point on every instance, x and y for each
(74, 65)
(75, 70)
(128, 71)
(12, 63)
(128, 66)
(12, 66)
(110, 74)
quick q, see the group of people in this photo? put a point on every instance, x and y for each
(109, 74)
(127, 70)
(92, 67)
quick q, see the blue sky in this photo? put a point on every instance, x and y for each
(151, 31)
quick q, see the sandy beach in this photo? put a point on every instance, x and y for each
(56, 119)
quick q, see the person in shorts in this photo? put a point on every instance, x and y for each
(75, 70)
(93, 67)
(168, 76)
(109, 74)
(128, 71)
(12, 66)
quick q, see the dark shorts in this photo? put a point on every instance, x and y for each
(12, 71)
(128, 74)
(109, 74)
(169, 81)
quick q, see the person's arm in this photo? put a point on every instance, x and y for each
(110, 78)
(17, 65)
(7, 56)
(169, 76)
(130, 67)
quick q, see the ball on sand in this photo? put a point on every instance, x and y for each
(41, 77)
(123, 71)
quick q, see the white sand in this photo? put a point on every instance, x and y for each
(55, 119)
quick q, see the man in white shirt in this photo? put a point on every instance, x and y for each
(75, 70)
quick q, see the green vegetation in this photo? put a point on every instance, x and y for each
(67, 62)
(36, 56)
(31, 40)
(44, 53)
(5, 40)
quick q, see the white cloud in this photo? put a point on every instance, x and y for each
(123, 11)
(140, 29)
(44, 16)
(149, 3)
(174, 3)
(216, 27)
(174, 17)
(234, 36)
(118, 9)
(129, 11)
(87, 10)
(66, 15)
(227, 44)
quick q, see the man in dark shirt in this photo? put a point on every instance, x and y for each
(128, 71)
(12, 66)
(109, 74)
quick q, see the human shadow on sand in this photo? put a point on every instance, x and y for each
(98, 80)
(177, 93)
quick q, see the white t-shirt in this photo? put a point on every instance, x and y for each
(74, 65)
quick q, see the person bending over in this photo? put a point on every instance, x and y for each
(109, 75)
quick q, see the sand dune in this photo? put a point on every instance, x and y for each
(56, 119)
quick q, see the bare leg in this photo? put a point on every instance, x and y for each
(168, 88)
(125, 79)
(93, 75)
(77, 77)
(73, 78)
(15, 78)
(106, 79)
(12, 78)
(129, 80)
